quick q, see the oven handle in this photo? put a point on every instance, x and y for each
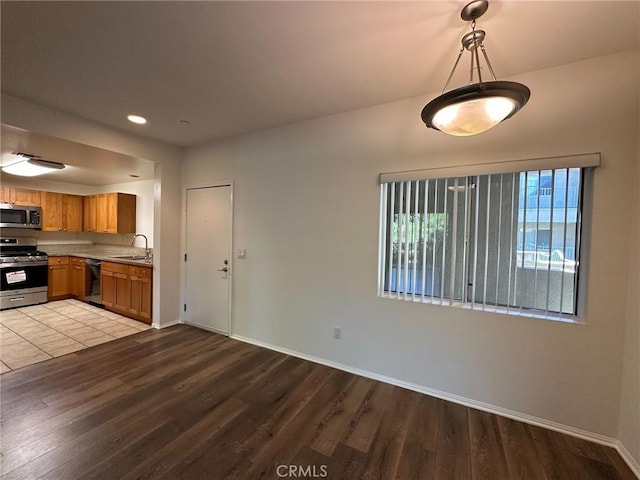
(25, 265)
(16, 299)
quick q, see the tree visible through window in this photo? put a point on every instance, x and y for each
(505, 241)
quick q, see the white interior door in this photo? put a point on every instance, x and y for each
(208, 258)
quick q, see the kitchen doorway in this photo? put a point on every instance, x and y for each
(209, 220)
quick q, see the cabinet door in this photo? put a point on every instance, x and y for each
(79, 279)
(51, 211)
(5, 195)
(89, 216)
(72, 208)
(140, 305)
(135, 293)
(101, 213)
(58, 281)
(107, 287)
(126, 213)
(23, 196)
(122, 293)
(75, 281)
(111, 219)
(144, 311)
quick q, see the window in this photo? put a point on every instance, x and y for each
(507, 242)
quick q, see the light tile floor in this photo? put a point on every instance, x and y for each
(40, 332)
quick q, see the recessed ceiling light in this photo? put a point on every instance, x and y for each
(137, 119)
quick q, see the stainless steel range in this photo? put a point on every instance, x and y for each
(23, 273)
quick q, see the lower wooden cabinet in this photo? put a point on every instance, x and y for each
(140, 305)
(79, 278)
(126, 289)
(68, 277)
(58, 278)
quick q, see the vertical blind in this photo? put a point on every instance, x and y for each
(505, 241)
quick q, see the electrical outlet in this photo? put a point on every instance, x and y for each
(337, 333)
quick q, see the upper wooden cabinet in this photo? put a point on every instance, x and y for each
(61, 212)
(115, 213)
(90, 213)
(20, 196)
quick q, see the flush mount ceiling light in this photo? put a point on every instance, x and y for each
(137, 119)
(480, 105)
(31, 166)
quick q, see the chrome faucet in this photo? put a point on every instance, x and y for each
(147, 252)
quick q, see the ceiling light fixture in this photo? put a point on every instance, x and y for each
(137, 119)
(480, 105)
(31, 166)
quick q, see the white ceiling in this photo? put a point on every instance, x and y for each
(235, 67)
(84, 164)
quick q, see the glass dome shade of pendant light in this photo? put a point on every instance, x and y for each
(475, 108)
(473, 116)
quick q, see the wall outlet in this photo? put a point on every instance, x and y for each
(337, 333)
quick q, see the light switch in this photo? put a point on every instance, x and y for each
(242, 253)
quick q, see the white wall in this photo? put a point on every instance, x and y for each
(306, 209)
(166, 191)
(629, 423)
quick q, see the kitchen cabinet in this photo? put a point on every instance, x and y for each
(61, 212)
(20, 196)
(58, 278)
(90, 213)
(79, 278)
(140, 303)
(115, 213)
(114, 284)
(126, 289)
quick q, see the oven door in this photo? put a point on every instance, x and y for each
(16, 278)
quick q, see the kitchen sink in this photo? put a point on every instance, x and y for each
(129, 257)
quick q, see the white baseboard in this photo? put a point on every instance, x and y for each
(467, 402)
(628, 458)
(210, 329)
(165, 325)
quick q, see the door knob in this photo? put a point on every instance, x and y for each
(224, 269)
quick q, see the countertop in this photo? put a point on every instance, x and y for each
(105, 258)
(104, 253)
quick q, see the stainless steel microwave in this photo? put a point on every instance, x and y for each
(18, 216)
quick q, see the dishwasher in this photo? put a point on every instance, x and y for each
(94, 297)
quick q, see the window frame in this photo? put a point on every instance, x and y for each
(586, 163)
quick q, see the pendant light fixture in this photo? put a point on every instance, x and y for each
(480, 105)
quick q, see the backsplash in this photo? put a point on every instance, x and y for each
(76, 238)
(88, 249)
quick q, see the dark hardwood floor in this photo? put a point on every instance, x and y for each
(182, 403)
